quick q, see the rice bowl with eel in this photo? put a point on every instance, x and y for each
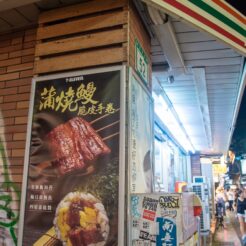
(81, 220)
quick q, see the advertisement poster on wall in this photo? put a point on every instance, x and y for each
(161, 219)
(155, 219)
(73, 164)
(140, 136)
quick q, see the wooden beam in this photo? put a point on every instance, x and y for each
(81, 9)
(81, 60)
(82, 42)
(82, 25)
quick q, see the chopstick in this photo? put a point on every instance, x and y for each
(114, 123)
(103, 116)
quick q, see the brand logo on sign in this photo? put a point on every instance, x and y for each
(74, 79)
(169, 202)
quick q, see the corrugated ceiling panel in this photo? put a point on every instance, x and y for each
(30, 12)
(223, 53)
(191, 37)
(14, 18)
(48, 4)
(4, 26)
(200, 46)
(214, 62)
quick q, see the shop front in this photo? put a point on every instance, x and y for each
(108, 146)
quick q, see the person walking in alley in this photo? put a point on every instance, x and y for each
(234, 167)
(220, 199)
(241, 207)
(231, 198)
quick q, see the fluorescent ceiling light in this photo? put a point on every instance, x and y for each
(202, 95)
(166, 113)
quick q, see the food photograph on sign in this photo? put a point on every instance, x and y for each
(73, 169)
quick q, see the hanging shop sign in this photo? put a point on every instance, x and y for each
(74, 167)
(140, 136)
(219, 168)
(141, 62)
(215, 17)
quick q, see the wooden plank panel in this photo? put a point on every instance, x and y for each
(213, 100)
(193, 37)
(166, 84)
(81, 60)
(180, 26)
(156, 48)
(209, 54)
(218, 89)
(180, 87)
(222, 81)
(158, 58)
(80, 9)
(222, 91)
(82, 25)
(154, 41)
(199, 46)
(223, 69)
(214, 62)
(225, 75)
(82, 42)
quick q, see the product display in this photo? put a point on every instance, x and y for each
(81, 220)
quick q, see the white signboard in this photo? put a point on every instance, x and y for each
(140, 137)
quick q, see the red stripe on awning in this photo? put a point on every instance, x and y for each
(205, 21)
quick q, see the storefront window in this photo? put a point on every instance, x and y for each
(170, 163)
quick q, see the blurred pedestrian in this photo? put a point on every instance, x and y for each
(231, 198)
(241, 207)
(220, 199)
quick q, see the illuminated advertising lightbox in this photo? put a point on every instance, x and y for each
(73, 164)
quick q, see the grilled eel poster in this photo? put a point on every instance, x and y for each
(73, 168)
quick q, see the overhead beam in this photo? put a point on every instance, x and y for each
(11, 4)
(201, 90)
(167, 39)
(241, 90)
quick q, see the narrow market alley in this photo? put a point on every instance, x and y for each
(230, 234)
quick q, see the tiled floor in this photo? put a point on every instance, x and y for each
(230, 234)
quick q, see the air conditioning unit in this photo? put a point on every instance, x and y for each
(200, 190)
(206, 181)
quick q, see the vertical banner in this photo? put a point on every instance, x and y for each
(74, 166)
(140, 136)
